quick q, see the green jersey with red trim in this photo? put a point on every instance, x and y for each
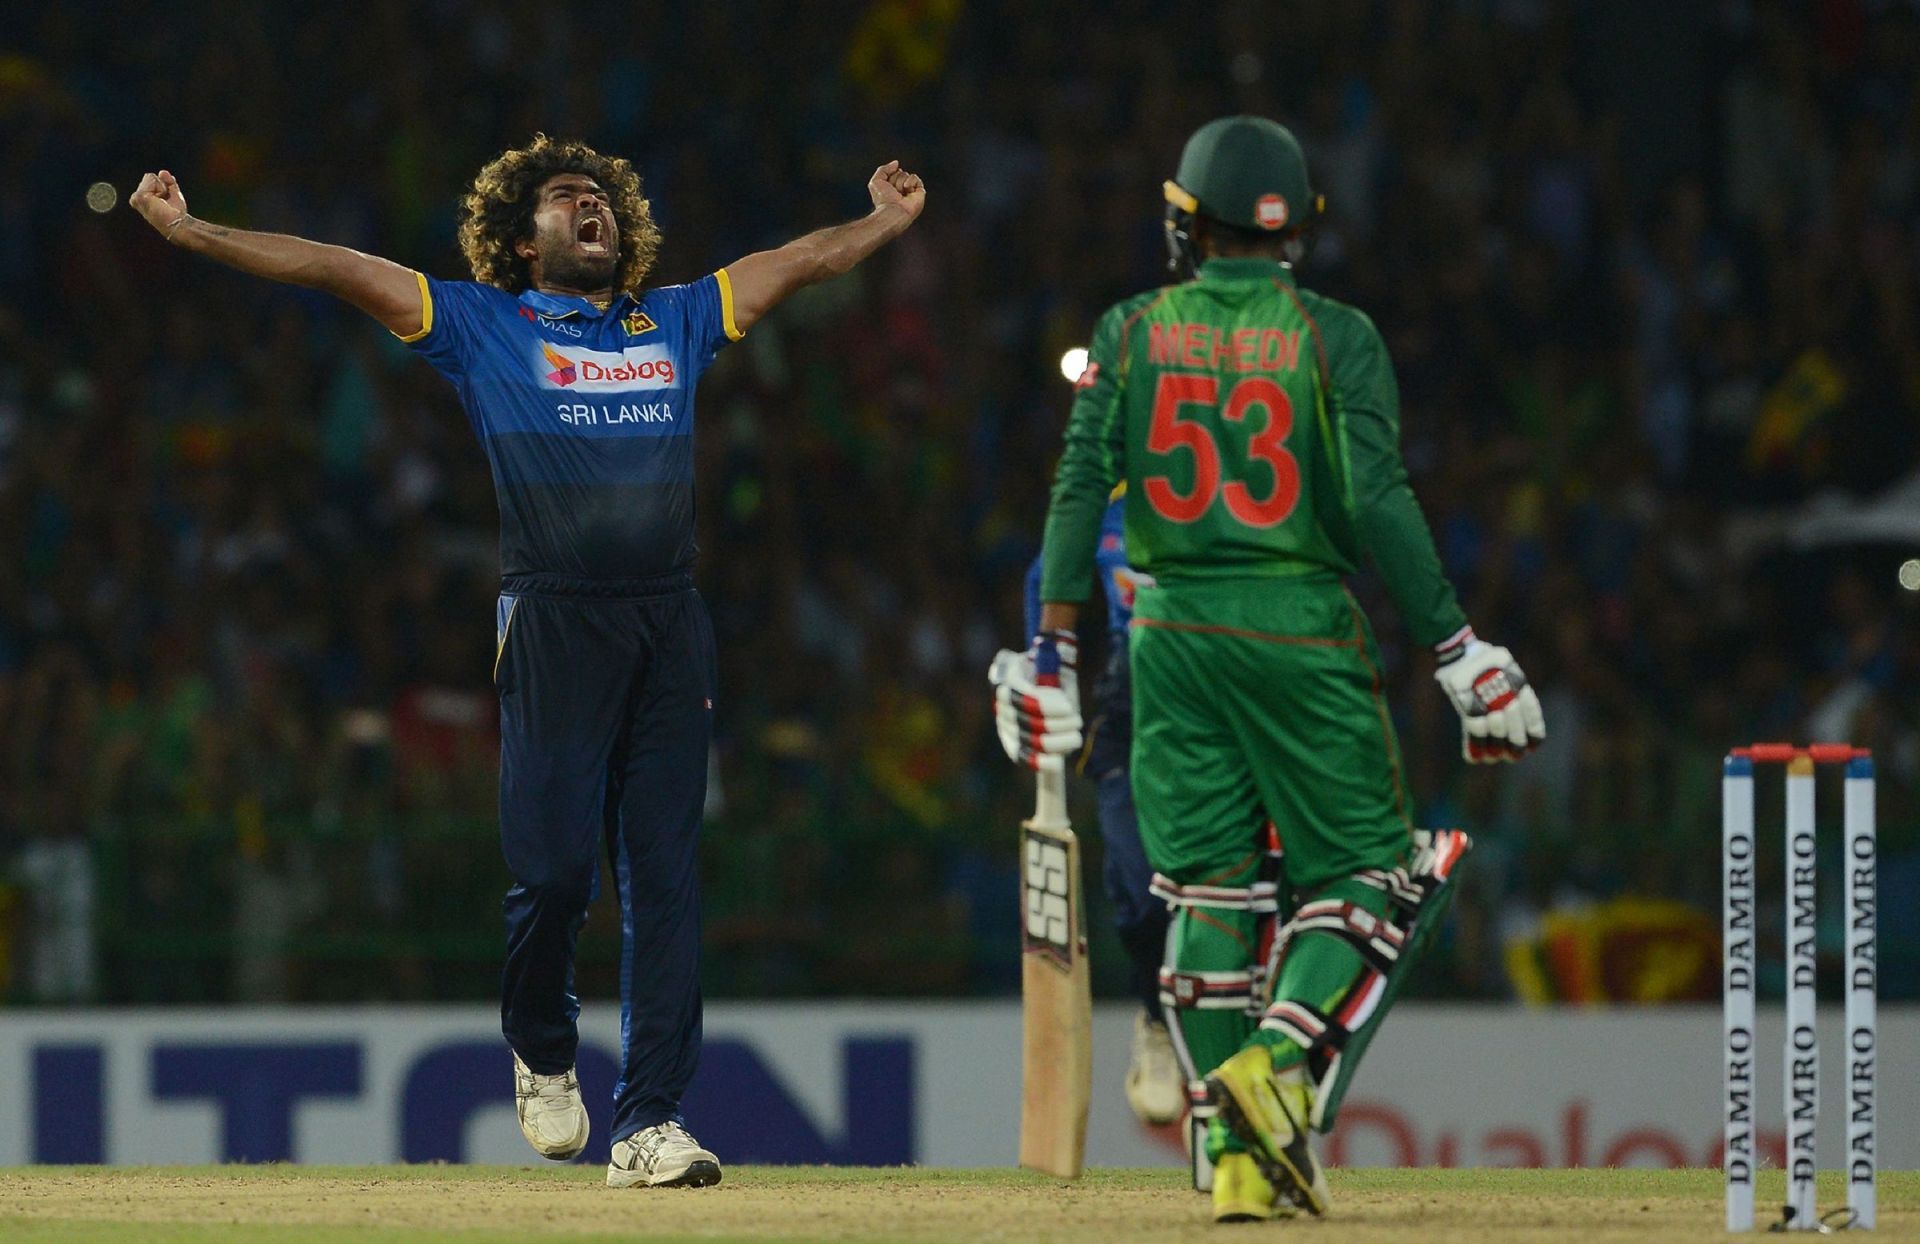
(1257, 428)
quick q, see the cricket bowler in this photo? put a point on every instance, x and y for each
(1256, 427)
(579, 379)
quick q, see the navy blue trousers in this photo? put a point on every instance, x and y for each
(1138, 917)
(606, 708)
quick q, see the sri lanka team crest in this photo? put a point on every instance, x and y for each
(638, 322)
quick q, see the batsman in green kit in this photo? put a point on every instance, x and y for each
(1256, 427)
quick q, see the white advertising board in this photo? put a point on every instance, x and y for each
(874, 1083)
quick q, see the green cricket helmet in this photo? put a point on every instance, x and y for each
(1247, 172)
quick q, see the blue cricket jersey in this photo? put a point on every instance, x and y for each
(1117, 579)
(586, 417)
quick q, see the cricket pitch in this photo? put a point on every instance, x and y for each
(515, 1205)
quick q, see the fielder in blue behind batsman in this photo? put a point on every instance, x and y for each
(579, 381)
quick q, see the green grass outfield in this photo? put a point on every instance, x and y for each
(518, 1205)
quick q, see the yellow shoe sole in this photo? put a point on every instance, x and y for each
(1244, 1211)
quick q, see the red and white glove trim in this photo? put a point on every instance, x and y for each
(1454, 646)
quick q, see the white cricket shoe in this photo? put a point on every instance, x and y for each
(1155, 1088)
(661, 1156)
(552, 1116)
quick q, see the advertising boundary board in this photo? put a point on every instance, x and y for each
(878, 1084)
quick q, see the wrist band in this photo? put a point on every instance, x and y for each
(175, 225)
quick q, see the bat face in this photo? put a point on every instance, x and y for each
(1056, 1083)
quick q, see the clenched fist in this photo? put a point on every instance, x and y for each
(893, 186)
(160, 201)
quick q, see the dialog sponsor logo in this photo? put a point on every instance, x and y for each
(640, 367)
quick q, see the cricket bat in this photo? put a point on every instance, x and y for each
(1056, 1072)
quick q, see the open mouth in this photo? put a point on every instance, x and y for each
(592, 236)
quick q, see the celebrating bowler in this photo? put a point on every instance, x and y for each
(579, 381)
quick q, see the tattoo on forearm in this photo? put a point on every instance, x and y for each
(197, 225)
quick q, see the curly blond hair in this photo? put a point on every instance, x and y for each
(497, 211)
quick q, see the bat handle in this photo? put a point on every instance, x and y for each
(1050, 802)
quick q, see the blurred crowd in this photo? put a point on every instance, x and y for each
(1646, 270)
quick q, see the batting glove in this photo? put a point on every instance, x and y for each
(1036, 701)
(1499, 713)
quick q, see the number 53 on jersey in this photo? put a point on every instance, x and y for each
(1222, 430)
(1181, 403)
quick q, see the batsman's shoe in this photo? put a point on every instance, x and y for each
(552, 1116)
(1269, 1115)
(1155, 1088)
(1242, 1194)
(661, 1156)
